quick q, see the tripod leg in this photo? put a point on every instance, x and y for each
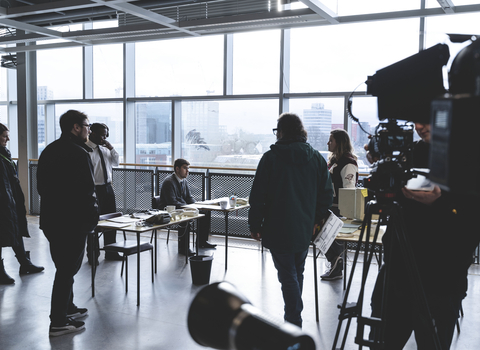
(348, 311)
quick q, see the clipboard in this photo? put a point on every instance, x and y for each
(325, 237)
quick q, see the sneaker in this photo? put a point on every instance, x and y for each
(70, 326)
(78, 312)
(335, 270)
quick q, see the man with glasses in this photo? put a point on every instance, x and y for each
(290, 196)
(68, 214)
(104, 158)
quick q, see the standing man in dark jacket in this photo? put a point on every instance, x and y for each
(290, 196)
(68, 213)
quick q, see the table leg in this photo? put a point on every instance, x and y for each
(93, 238)
(226, 239)
(315, 281)
(138, 268)
(344, 265)
(155, 232)
(187, 241)
(195, 235)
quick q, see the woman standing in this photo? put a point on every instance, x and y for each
(13, 220)
(342, 164)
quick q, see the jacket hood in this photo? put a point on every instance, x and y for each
(295, 152)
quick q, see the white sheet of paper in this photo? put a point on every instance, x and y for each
(329, 231)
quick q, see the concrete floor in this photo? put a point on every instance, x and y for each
(115, 322)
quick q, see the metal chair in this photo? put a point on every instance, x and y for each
(127, 248)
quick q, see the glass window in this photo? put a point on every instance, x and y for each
(60, 71)
(41, 128)
(154, 133)
(437, 27)
(339, 58)
(319, 116)
(355, 7)
(182, 67)
(13, 132)
(105, 24)
(3, 115)
(108, 71)
(228, 133)
(256, 62)
(366, 111)
(110, 114)
(3, 84)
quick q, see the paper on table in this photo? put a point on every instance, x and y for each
(348, 229)
(122, 219)
(116, 224)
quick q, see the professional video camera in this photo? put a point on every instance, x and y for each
(221, 318)
(392, 144)
(413, 90)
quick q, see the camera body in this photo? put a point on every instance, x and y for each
(392, 144)
(412, 89)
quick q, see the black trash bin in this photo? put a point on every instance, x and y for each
(201, 266)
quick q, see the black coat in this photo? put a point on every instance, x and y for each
(13, 220)
(66, 186)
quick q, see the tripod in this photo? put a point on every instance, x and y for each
(391, 213)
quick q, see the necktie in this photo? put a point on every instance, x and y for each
(183, 188)
(104, 167)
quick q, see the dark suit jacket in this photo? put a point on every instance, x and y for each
(171, 193)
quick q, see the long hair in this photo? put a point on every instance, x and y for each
(291, 126)
(343, 146)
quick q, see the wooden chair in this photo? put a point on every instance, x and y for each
(127, 248)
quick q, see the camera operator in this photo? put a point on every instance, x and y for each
(443, 238)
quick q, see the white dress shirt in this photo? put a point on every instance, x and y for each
(111, 159)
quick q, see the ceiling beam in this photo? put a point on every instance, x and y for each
(322, 10)
(35, 29)
(447, 6)
(49, 7)
(145, 14)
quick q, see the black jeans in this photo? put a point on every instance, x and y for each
(67, 249)
(106, 205)
(290, 267)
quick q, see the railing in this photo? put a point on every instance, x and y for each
(134, 189)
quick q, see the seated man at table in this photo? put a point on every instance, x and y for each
(175, 192)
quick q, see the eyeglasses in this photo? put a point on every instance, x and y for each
(87, 125)
(275, 131)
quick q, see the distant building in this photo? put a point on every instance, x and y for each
(318, 123)
(43, 94)
(154, 132)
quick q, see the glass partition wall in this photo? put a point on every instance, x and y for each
(215, 99)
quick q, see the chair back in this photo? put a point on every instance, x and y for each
(156, 202)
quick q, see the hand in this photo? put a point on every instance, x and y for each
(315, 229)
(425, 197)
(256, 236)
(108, 145)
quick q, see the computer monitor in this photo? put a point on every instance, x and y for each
(351, 202)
